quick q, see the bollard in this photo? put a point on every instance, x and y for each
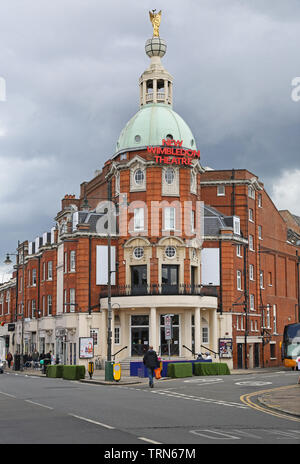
(91, 369)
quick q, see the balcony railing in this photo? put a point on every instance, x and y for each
(155, 289)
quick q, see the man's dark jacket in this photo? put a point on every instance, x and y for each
(150, 359)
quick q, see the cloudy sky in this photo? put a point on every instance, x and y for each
(71, 69)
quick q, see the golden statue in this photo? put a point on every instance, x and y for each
(155, 19)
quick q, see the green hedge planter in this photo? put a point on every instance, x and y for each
(66, 372)
(211, 369)
(178, 370)
(55, 372)
(73, 372)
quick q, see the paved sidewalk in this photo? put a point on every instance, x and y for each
(285, 399)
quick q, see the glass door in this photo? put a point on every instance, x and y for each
(139, 335)
(175, 342)
(138, 280)
(169, 279)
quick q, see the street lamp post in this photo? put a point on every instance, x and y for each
(8, 261)
(85, 206)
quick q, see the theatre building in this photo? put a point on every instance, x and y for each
(170, 253)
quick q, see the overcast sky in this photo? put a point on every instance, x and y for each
(71, 69)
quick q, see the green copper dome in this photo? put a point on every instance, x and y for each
(153, 123)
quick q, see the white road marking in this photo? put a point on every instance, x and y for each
(39, 404)
(93, 422)
(253, 383)
(201, 399)
(7, 394)
(149, 441)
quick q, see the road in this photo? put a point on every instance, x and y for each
(203, 410)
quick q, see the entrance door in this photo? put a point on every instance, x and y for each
(174, 343)
(138, 280)
(256, 354)
(240, 355)
(139, 340)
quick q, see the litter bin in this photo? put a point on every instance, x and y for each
(17, 362)
(109, 371)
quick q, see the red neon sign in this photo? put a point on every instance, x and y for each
(172, 152)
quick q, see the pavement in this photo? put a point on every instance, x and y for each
(283, 399)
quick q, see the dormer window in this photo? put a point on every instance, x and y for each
(236, 225)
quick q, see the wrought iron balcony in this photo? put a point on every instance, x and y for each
(155, 289)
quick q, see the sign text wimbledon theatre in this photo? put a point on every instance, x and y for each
(172, 152)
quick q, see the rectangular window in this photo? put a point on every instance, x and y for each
(33, 308)
(7, 299)
(272, 350)
(65, 300)
(239, 280)
(192, 221)
(252, 302)
(251, 272)
(251, 243)
(117, 335)
(250, 214)
(274, 319)
(205, 338)
(138, 218)
(65, 262)
(72, 300)
(169, 215)
(239, 251)
(261, 279)
(259, 200)
(50, 270)
(260, 232)
(94, 334)
(268, 317)
(236, 225)
(221, 190)
(49, 305)
(72, 261)
(34, 277)
(251, 192)
(270, 280)
(44, 305)
(44, 271)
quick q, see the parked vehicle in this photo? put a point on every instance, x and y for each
(2, 365)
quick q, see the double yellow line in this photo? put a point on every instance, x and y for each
(246, 399)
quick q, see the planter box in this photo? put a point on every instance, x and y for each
(179, 370)
(211, 369)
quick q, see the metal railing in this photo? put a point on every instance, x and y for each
(155, 289)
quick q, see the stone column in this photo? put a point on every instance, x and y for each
(103, 334)
(166, 91)
(144, 92)
(154, 91)
(153, 329)
(214, 330)
(197, 330)
(187, 333)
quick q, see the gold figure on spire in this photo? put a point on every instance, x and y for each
(155, 19)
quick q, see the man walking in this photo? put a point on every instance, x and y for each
(151, 362)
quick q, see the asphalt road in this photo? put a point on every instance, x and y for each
(204, 410)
